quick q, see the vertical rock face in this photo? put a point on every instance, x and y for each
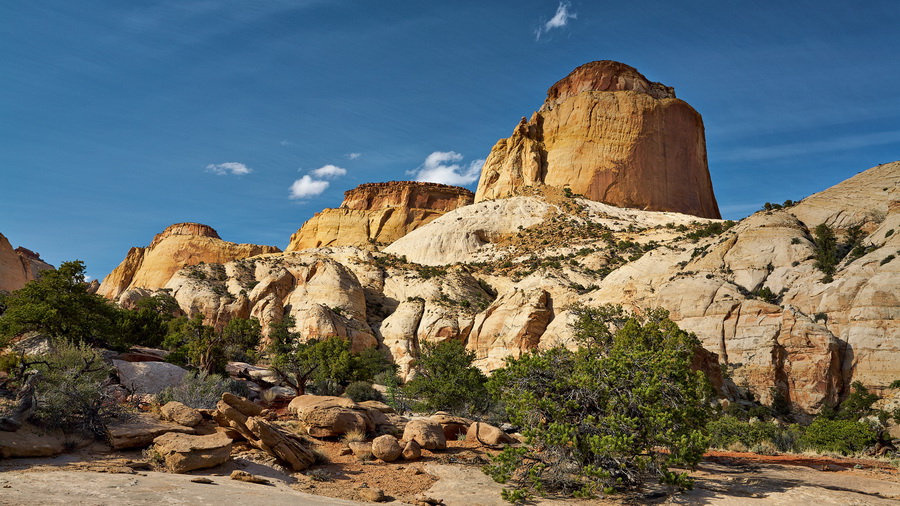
(607, 132)
(180, 245)
(18, 266)
(379, 213)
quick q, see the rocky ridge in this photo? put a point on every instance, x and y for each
(179, 245)
(379, 213)
(501, 276)
(18, 266)
(605, 131)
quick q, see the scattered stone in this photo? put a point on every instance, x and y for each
(412, 451)
(386, 448)
(360, 447)
(414, 470)
(139, 465)
(249, 478)
(185, 452)
(181, 414)
(427, 433)
(202, 479)
(426, 500)
(371, 494)
(345, 451)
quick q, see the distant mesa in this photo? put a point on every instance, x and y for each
(179, 245)
(18, 266)
(379, 213)
(607, 132)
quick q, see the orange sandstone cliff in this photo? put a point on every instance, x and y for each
(177, 246)
(379, 213)
(18, 266)
(607, 132)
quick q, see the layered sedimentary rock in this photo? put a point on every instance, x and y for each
(179, 245)
(607, 132)
(18, 266)
(379, 213)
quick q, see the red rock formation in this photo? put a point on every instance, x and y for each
(607, 132)
(379, 213)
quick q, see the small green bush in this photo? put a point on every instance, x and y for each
(360, 391)
(202, 391)
(838, 436)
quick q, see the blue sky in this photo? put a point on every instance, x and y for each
(118, 119)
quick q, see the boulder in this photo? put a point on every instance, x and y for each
(181, 414)
(428, 434)
(488, 434)
(386, 448)
(140, 430)
(360, 448)
(185, 452)
(328, 416)
(371, 494)
(412, 451)
(452, 426)
(148, 377)
(28, 441)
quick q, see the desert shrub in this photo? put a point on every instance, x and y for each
(624, 407)
(838, 436)
(826, 251)
(858, 404)
(198, 345)
(726, 431)
(202, 390)
(71, 391)
(447, 380)
(886, 259)
(325, 386)
(360, 391)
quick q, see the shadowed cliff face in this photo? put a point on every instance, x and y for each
(607, 132)
(379, 213)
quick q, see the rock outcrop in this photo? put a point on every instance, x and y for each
(180, 245)
(18, 266)
(379, 213)
(607, 132)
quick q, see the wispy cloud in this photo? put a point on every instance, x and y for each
(559, 20)
(441, 167)
(314, 183)
(353, 156)
(286, 142)
(329, 171)
(228, 168)
(306, 186)
(803, 148)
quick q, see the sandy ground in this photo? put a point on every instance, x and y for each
(96, 476)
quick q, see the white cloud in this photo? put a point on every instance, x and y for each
(329, 171)
(306, 186)
(233, 168)
(353, 156)
(439, 167)
(559, 20)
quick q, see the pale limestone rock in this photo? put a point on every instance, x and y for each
(514, 323)
(148, 377)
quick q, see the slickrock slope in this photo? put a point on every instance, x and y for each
(18, 266)
(607, 132)
(179, 245)
(376, 213)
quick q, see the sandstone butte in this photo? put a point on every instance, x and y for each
(379, 213)
(605, 131)
(179, 245)
(18, 266)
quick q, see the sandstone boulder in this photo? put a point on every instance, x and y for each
(452, 425)
(607, 132)
(177, 412)
(412, 451)
(326, 416)
(488, 434)
(386, 448)
(140, 430)
(427, 433)
(185, 452)
(148, 377)
(29, 441)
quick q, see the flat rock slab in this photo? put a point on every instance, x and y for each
(140, 431)
(148, 377)
(77, 488)
(30, 442)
